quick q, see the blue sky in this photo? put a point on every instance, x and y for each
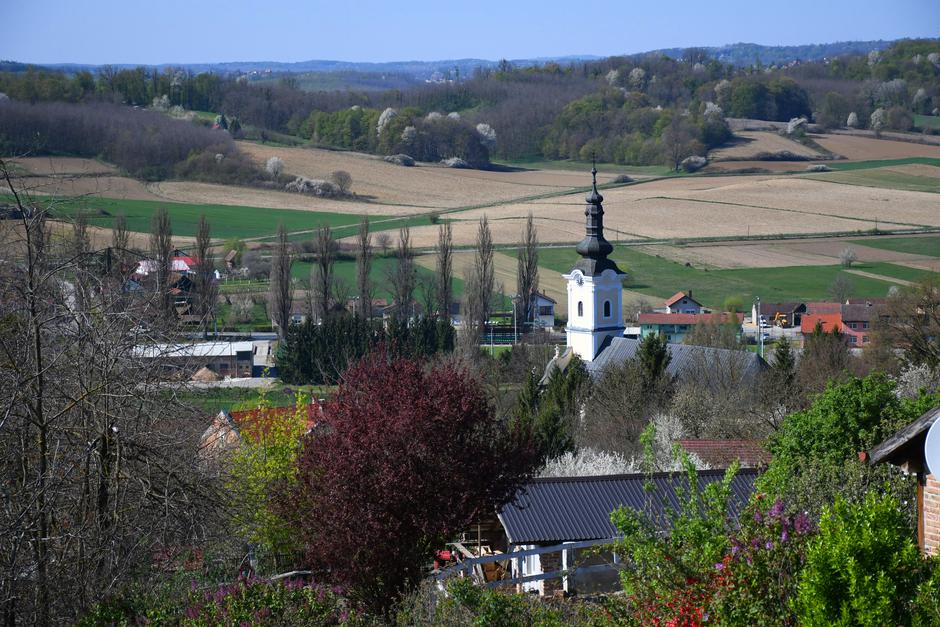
(174, 31)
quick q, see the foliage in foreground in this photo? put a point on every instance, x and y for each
(408, 457)
(245, 602)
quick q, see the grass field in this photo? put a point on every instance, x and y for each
(926, 121)
(661, 278)
(214, 400)
(345, 271)
(929, 245)
(226, 220)
(883, 178)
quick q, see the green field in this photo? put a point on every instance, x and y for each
(893, 270)
(881, 163)
(226, 220)
(926, 121)
(661, 278)
(585, 166)
(345, 271)
(880, 178)
(915, 245)
(213, 400)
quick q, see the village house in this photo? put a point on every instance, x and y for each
(723, 453)
(544, 310)
(225, 432)
(853, 319)
(683, 303)
(786, 315)
(676, 326)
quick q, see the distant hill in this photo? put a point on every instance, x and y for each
(743, 54)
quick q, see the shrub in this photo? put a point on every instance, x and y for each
(401, 159)
(274, 166)
(694, 163)
(314, 187)
(862, 568)
(757, 578)
(410, 456)
(818, 167)
(455, 162)
(622, 178)
(245, 602)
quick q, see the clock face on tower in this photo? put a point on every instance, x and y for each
(579, 279)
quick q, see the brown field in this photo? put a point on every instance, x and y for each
(99, 185)
(423, 186)
(858, 148)
(915, 169)
(748, 144)
(63, 165)
(770, 166)
(781, 253)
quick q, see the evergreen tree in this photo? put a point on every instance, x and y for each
(654, 357)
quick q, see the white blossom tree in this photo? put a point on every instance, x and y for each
(852, 121)
(409, 134)
(384, 119)
(274, 166)
(877, 121)
(434, 115)
(487, 135)
(637, 77)
(453, 115)
(612, 77)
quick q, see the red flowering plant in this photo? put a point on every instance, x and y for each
(671, 548)
(756, 579)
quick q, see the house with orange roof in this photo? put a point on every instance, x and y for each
(683, 303)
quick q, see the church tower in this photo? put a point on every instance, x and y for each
(595, 286)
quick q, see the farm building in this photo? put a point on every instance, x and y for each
(906, 450)
(544, 538)
(723, 453)
(228, 359)
(780, 314)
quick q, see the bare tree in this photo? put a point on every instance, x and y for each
(445, 269)
(484, 282)
(912, 322)
(322, 281)
(161, 251)
(403, 276)
(205, 288)
(98, 462)
(343, 180)
(119, 245)
(363, 268)
(527, 274)
(384, 240)
(841, 288)
(281, 296)
(678, 141)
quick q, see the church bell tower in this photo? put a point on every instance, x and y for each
(595, 286)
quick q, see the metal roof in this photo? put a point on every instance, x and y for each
(578, 508)
(201, 349)
(686, 358)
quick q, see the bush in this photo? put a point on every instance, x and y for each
(694, 163)
(621, 178)
(455, 162)
(862, 568)
(245, 602)
(401, 159)
(818, 167)
(314, 187)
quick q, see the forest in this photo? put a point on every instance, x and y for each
(623, 109)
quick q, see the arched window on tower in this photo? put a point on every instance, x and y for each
(580, 308)
(607, 309)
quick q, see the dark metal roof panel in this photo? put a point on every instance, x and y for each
(579, 508)
(685, 358)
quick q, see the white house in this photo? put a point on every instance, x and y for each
(683, 303)
(544, 310)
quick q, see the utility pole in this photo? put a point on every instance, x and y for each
(760, 329)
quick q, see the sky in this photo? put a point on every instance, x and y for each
(210, 31)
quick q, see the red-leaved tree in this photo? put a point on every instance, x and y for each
(410, 455)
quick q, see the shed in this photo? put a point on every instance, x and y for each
(548, 513)
(905, 449)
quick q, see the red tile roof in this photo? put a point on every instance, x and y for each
(722, 453)
(261, 419)
(679, 296)
(829, 322)
(679, 318)
(823, 308)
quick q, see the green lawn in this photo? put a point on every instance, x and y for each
(894, 271)
(926, 121)
(661, 278)
(915, 245)
(213, 400)
(226, 220)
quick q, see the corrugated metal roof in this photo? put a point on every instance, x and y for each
(686, 359)
(578, 508)
(687, 318)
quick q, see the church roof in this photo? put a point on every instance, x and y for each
(594, 248)
(686, 359)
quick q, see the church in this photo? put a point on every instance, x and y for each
(595, 330)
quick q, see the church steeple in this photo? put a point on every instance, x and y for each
(594, 248)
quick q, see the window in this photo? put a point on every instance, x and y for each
(580, 308)
(607, 309)
(852, 339)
